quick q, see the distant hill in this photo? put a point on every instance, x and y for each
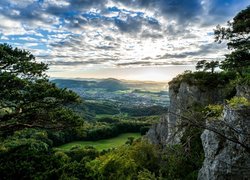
(71, 83)
(107, 84)
(110, 84)
(107, 96)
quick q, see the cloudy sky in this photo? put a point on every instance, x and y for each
(126, 39)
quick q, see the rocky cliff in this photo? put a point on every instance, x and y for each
(227, 153)
(243, 91)
(158, 133)
(227, 157)
(182, 98)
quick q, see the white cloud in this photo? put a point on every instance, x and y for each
(92, 35)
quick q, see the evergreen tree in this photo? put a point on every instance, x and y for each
(27, 98)
(238, 40)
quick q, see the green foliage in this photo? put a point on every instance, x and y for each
(245, 81)
(144, 130)
(204, 65)
(236, 32)
(26, 155)
(108, 119)
(111, 85)
(144, 111)
(104, 144)
(214, 110)
(183, 161)
(19, 62)
(146, 175)
(204, 80)
(237, 102)
(32, 101)
(238, 60)
(102, 107)
(237, 35)
(126, 162)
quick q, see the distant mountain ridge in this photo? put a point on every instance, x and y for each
(109, 84)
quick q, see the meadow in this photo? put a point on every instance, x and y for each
(102, 144)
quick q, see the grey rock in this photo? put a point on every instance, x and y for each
(225, 159)
(158, 133)
(187, 96)
(243, 91)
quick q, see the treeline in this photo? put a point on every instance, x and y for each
(89, 109)
(145, 111)
(29, 154)
(102, 128)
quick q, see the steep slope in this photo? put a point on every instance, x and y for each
(225, 159)
(226, 141)
(183, 97)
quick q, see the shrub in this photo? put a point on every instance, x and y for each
(214, 110)
(236, 102)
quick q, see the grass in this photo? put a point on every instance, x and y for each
(102, 144)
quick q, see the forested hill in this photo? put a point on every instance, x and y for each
(110, 84)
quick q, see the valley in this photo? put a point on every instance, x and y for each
(122, 93)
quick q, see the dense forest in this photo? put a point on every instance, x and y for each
(36, 116)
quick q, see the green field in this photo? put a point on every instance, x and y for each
(102, 144)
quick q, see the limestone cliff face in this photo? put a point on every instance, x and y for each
(225, 159)
(186, 97)
(182, 98)
(158, 133)
(243, 91)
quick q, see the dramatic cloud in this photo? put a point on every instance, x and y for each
(116, 33)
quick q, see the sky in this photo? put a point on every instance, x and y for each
(124, 39)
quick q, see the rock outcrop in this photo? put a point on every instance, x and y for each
(158, 133)
(225, 154)
(243, 91)
(182, 98)
(225, 159)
